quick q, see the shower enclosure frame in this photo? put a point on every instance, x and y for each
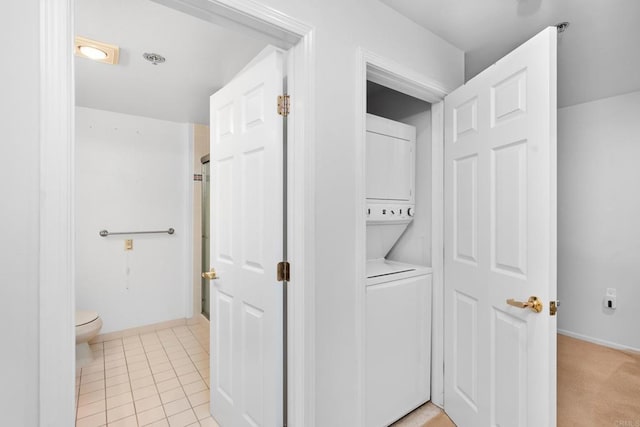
(205, 235)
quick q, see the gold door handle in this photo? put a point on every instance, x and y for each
(534, 304)
(211, 275)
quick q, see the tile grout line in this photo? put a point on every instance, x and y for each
(155, 383)
(189, 357)
(104, 375)
(78, 396)
(126, 363)
(193, 361)
(177, 376)
(105, 384)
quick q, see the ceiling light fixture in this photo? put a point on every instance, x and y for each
(154, 58)
(96, 51)
(92, 52)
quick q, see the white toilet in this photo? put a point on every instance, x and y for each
(88, 324)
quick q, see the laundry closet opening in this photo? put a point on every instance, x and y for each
(398, 294)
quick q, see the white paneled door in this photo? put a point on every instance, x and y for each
(500, 241)
(246, 246)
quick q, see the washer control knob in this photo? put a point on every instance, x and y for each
(410, 212)
(368, 211)
(384, 211)
(392, 212)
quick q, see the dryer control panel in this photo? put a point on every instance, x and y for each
(390, 212)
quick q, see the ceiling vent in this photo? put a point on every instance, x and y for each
(154, 58)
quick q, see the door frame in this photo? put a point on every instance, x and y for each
(386, 72)
(56, 168)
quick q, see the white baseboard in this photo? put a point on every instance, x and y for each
(598, 341)
(198, 320)
(138, 330)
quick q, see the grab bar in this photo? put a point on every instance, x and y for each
(105, 233)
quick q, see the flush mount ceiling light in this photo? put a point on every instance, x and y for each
(97, 51)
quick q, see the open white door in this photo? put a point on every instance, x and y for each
(246, 246)
(500, 241)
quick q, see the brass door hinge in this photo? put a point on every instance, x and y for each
(283, 271)
(284, 102)
(553, 307)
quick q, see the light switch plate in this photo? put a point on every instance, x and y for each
(128, 245)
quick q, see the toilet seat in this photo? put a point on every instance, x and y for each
(83, 317)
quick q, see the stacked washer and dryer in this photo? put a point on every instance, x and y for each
(398, 295)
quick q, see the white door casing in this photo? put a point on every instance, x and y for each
(246, 245)
(500, 241)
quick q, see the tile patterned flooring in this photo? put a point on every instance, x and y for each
(159, 378)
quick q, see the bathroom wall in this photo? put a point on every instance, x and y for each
(200, 148)
(599, 219)
(132, 173)
(414, 246)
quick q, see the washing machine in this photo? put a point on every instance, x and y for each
(398, 295)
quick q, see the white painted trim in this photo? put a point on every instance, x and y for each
(188, 224)
(361, 229)
(598, 341)
(57, 307)
(301, 233)
(249, 16)
(56, 269)
(437, 253)
(394, 75)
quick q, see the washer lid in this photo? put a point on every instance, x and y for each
(84, 317)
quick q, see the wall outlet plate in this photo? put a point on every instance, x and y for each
(609, 302)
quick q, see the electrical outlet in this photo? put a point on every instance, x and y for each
(610, 299)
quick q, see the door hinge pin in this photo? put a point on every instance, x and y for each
(284, 102)
(283, 271)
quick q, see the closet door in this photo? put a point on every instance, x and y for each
(500, 242)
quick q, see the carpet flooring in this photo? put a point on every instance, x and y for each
(597, 386)
(440, 420)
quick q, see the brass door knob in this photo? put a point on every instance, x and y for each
(210, 275)
(533, 303)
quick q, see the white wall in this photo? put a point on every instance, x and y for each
(599, 218)
(19, 214)
(414, 246)
(132, 173)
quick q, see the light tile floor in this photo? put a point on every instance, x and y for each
(153, 379)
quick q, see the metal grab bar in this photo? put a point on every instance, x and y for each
(105, 233)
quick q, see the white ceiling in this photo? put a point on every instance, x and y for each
(598, 56)
(201, 58)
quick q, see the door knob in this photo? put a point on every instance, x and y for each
(534, 304)
(210, 275)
